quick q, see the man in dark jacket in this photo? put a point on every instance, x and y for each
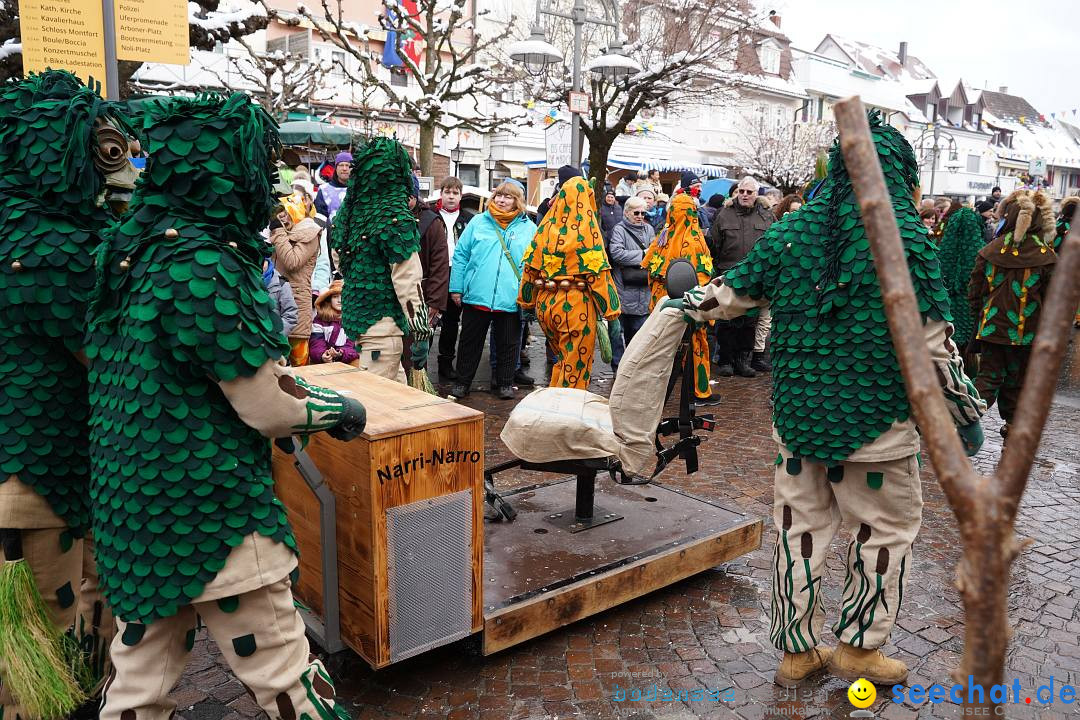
(611, 213)
(435, 261)
(454, 218)
(737, 228)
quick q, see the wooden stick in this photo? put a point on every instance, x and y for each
(1044, 366)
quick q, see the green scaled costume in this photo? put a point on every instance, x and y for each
(836, 380)
(180, 305)
(848, 450)
(963, 238)
(63, 162)
(373, 230)
(51, 215)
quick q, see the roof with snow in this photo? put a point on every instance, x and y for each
(1007, 106)
(877, 61)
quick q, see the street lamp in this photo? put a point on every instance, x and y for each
(456, 155)
(489, 164)
(935, 135)
(537, 53)
(614, 65)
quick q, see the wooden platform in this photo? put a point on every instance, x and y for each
(538, 576)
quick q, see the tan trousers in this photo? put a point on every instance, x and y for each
(880, 504)
(381, 355)
(761, 331)
(261, 635)
(66, 576)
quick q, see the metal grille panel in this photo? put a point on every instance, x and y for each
(429, 557)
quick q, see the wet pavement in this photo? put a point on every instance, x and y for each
(710, 632)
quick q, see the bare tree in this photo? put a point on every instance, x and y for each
(985, 507)
(781, 158)
(452, 80)
(281, 82)
(687, 50)
(208, 25)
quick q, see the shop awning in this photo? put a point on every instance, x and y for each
(516, 169)
(667, 166)
(308, 132)
(615, 163)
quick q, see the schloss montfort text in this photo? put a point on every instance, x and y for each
(435, 457)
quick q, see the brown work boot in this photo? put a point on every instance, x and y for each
(852, 663)
(796, 667)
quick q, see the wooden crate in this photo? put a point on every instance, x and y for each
(368, 476)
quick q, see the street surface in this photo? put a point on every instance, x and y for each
(711, 631)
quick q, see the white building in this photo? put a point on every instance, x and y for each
(942, 119)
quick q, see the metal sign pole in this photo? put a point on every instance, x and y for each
(112, 70)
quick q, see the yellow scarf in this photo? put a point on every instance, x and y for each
(503, 217)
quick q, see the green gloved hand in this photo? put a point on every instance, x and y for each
(677, 303)
(614, 329)
(972, 437)
(419, 354)
(353, 420)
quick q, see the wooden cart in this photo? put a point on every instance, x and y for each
(391, 526)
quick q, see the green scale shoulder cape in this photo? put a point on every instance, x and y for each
(49, 226)
(836, 381)
(960, 244)
(373, 230)
(178, 479)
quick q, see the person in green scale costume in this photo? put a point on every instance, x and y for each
(378, 241)
(187, 382)
(961, 241)
(848, 445)
(63, 153)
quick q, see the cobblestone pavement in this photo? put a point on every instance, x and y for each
(711, 631)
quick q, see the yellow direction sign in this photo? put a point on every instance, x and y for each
(153, 31)
(63, 35)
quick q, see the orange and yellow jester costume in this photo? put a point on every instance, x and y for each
(567, 281)
(682, 239)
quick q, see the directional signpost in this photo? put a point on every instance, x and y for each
(87, 37)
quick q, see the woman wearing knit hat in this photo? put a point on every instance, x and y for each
(682, 239)
(1008, 284)
(567, 280)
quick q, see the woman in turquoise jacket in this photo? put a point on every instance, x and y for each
(484, 279)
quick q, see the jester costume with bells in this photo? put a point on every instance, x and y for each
(187, 383)
(1007, 288)
(848, 445)
(63, 152)
(682, 239)
(378, 241)
(567, 282)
